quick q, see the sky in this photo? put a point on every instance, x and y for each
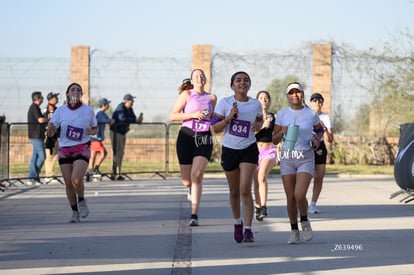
(48, 28)
(161, 27)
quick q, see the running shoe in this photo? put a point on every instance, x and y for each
(263, 212)
(75, 217)
(238, 232)
(29, 183)
(83, 209)
(294, 237)
(257, 211)
(312, 209)
(120, 177)
(194, 220)
(307, 230)
(51, 180)
(248, 236)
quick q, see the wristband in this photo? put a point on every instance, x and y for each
(320, 130)
(215, 119)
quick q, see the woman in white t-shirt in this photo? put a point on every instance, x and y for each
(239, 116)
(77, 122)
(321, 153)
(297, 161)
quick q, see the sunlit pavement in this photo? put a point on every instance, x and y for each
(141, 227)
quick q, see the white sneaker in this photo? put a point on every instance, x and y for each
(83, 209)
(189, 196)
(37, 183)
(29, 183)
(312, 209)
(5, 184)
(51, 180)
(194, 222)
(75, 217)
(294, 237)
(307, 230)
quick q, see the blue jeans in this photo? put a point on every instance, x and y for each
(38, 158)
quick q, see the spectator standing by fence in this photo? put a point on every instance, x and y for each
(267, 156)
(51, 142)
(98, 150)
(297, 161)
(77, 122)
(36, 131)
(239, 116)
(321, 153)
(122, 117)
(3, 164)
(195, 108)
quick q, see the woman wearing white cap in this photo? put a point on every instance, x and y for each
(295, 125)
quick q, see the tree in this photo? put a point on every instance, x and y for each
(360, 124)
(339, 123)
(393, 102)
(277, 91)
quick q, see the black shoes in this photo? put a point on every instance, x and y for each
(261, 213)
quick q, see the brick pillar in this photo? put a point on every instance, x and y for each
(79, 69)
(322, 74)
(202, 60)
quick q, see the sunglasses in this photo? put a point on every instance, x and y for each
(320, 100)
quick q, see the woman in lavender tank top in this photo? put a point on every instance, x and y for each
(194, 107)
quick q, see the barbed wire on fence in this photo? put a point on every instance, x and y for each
(154, 80)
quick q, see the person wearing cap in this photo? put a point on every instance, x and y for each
(297, 165)
(98, 150)
(51, 142)
(36, 132)
(122, 117)
(316, 103)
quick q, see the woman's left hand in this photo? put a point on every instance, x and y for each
(90, 131)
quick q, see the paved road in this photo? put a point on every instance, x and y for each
(140, 227)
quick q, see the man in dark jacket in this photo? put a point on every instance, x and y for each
(121, 117)
(36, 131)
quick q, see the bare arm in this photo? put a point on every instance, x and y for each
(222, 122)
(278, 132)
(329, 135)
(177, 113)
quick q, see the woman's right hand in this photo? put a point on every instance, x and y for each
(234, 111)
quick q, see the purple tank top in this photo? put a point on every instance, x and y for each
(197, 102)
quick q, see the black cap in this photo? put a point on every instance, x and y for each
(52, 95)
(317, 96)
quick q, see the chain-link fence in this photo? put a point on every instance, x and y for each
(357, 76)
